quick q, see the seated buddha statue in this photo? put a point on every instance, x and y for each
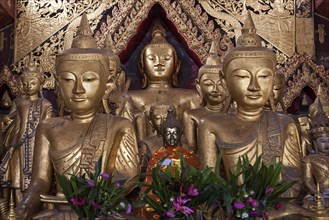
(149, 145)
(116, 100)
(159, 67)
(249, 72)
(169, 153)
(73, 144)
(316, 165)
(26, 113)
(212, 89)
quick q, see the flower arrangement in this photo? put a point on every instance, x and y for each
(95, 194)
(259, 192)
(179, 192)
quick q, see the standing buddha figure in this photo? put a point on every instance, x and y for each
(212, 89)
(316, 165)
(26, 112)
(74, 143)
(159, 66)
(249, 72)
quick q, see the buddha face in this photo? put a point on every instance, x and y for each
(211, 88)
(171, 136)
(304, 124)
(250, 81)
(157, 115)
(159, 63)
(322, 144)
(278, 88)
(31, 85)
(82, 84)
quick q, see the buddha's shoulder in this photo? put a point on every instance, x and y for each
(284, 119)
(54, 122)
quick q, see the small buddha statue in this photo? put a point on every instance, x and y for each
(171, 132)
(249, 72)
(212, 89)
(316, 165)
(278, 89)
(74, 143)
(159, 67)
(26, 113)
(157, 115)
(324, 102)
(116, 100)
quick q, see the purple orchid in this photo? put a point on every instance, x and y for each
(95, 205)
(90, 183)
(79, 201)
(239, 205)
(105, 175)
(192, 191)
(178, 205)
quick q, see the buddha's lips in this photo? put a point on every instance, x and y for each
(159, 69)
(254, 96)
(215, 95)
(80, 99)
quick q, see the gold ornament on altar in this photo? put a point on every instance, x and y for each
(249, 71)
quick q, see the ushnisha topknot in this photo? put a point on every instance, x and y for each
(213, 63)
(31, 70)
(84, 47)
(248, 45)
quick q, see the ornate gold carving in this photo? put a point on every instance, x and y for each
(274, 21)
(300, 71)
(190, 21)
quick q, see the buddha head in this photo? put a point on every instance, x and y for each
(158, 60)
(82, 72)
(320, 131)
(278, 86)
(157, 115)
(249, 69)
(210, 83)
(171, 130)
(32, 78)
(313, 109)
(114, 62)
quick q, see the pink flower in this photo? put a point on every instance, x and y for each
(239, 205)
(90, 183)
(128, 210)
(192, 191)
(254, 203)
(117, 184)
(268, 190)
(178, 205)
(95, 205)
(170, 214)
(253, 213)
(105, 175)
(277, 206)
(79, 201)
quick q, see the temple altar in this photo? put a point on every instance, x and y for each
(296, 33)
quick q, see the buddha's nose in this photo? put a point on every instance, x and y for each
(253, 85)
(78, 87)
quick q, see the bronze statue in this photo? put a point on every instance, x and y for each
(212, 89)
(159, 66)
(72, 144)
(26, 113)
(278, 89)
(249, 72)
(316, 165)
(313, 109)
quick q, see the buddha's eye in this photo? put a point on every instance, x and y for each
(90, 77)
(166, 57)
(151, 57)
(66, 77)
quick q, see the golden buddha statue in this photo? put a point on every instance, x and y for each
(278, 89)
(212, 89)
(26, 113)
(74, 143)
(249, 72)
(316, 166)
(159, 66)
(324, 102)
(171, 132)
(116, 100)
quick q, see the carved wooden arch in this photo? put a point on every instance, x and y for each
(191, 22)
(301, 71)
